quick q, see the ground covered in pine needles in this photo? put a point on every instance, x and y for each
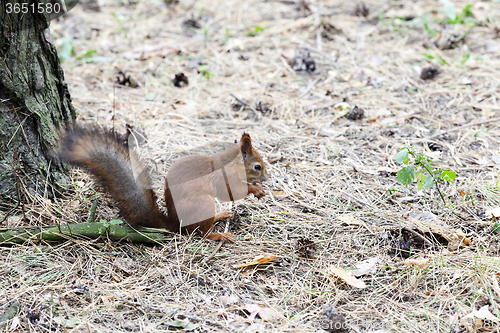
(330, 91)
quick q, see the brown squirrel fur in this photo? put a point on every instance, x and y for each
(191, 186)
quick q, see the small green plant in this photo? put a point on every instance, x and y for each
(256, 30)
(464, 17)
(107, 224)
(465, 58)
(225, 39)
(206, 33)
(203, 71)
(86, 54)
(422, 170)
(120, 19)
(439, 59)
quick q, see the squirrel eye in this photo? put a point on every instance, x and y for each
(257, 167)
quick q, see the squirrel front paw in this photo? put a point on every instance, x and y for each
(256, 190)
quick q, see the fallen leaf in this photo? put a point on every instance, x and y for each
(368, 266)
(342, 106)
(458, 238)
(225, 300)
(269, 314)
(185, 324)
(347, 278)
(482, 313)
(265, 313)
(261, 259)
(493, 213)
(454, 237)
(280, 194)
(421, 262)
(15, 322)
(253, 309)
(349, 219)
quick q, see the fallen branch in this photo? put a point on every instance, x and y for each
(82, 230)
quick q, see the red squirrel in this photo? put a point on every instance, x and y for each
(191, 186)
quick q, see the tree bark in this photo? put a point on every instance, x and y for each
(34, 104)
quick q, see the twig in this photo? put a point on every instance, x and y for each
(464, 126)
(92, 212)
(243, 102)
(418, 235)
(309, 87)
(207, 259)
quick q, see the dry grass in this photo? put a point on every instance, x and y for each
(326, 165)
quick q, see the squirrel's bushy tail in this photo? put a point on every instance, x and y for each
(107, 157)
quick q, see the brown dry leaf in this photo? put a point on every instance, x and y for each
(267, 314)
(261, 259)
(493, 213)
(455, 237)
(482, 313)
(421, 262)
(253, 309)
(225, 300)
(349, 219)
(280, 194)
(347, 278)
(75, 204)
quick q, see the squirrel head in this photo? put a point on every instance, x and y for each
(254, 165)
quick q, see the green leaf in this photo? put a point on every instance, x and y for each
(449, 10)
(433, 34)
(420, 182)
(402, 156)
(115, 222)
(86, 54)
(184, 324)
(429, 56)
(429, 181)
(466, 12)
(496, 227)
(448, 175)
(66, 49)
(406, 175)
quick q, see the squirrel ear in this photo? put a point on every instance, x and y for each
(245, 144)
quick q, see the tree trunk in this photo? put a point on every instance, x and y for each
(34, 104)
